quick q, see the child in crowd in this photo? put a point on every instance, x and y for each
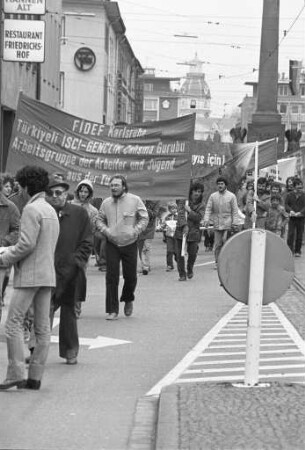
(277, 217)
(169, 226)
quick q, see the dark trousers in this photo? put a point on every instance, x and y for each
(128, 256)
(192, 250)
(170, 251)
(295, 234)
(68, 333)
(99, 250)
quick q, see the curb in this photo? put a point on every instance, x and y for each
(168, 420)
(144, 427)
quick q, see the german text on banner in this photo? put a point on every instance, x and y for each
(154, 156)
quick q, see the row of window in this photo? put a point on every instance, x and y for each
(293, 109)
(284, 90)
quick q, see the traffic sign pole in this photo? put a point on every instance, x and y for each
(255, 301)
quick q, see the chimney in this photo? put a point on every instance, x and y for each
(294, 76)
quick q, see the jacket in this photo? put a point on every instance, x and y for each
(191, 223)
(91, 210)
(122, 219)
(222, 209)
(295, 203)
(9, 222)
(33, 254)
(72, 252)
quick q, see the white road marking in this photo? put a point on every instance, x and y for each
(282, 351)
(196, 351)
(98, 342)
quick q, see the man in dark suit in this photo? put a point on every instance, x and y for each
(72, 252)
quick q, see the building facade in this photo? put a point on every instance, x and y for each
(290, 106)
(170, 97)
(99, 71)
(160, 99)
(40, 81)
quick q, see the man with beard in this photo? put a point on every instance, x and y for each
(222, 209)
(122, 217)
(71, 256)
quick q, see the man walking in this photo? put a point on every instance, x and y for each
(295, 207)
(122, 217)
(72, 252)
(34, 277)
(222, 209)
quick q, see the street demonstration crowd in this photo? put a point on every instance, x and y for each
(48, 235)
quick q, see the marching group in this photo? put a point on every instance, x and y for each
(48, 235)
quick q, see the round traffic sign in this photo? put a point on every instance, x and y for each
(234, 267)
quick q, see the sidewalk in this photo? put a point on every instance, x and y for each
(219, 416)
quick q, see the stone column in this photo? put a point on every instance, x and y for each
(266, 121)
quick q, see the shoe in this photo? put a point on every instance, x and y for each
(112, 316)
(8, 384)
(128, 308)
(145, 272)
(297, 255)
(71, 361)
(32, 384)
(169, 268)
(190, 275)
(183, 278)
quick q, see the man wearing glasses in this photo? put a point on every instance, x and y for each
(121, 219)
(71, 256)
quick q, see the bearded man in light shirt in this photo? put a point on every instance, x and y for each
(121, 219)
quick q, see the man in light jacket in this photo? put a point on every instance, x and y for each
(34, 277)
(222, 209)
(122, 217)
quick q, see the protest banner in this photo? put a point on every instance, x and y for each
(242, 159)
(208, 155)
(154, 156)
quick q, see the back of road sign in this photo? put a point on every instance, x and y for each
(234, 267)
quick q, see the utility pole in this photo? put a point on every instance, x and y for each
(1, 68)
(266, 121)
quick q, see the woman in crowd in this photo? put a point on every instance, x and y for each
(188, 225)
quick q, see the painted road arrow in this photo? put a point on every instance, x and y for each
(92, 343)
(98, 342)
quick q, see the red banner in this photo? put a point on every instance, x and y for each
(154, 156)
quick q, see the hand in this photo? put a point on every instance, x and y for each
(187, 208)
(292, 213)
(3, 250)
(253, 217)
(205, 223)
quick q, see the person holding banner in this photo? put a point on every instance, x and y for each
(222, 209)
(190, 215)
(122, 217)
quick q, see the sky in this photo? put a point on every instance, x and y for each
(226, 37)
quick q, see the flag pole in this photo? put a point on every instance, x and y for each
(255, 178)
(276, 166)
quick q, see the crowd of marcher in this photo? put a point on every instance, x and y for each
(48, 235)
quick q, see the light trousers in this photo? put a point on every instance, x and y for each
(21, 300)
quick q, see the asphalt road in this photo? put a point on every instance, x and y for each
(91, 405)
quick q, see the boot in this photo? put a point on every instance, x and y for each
(33, 384)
